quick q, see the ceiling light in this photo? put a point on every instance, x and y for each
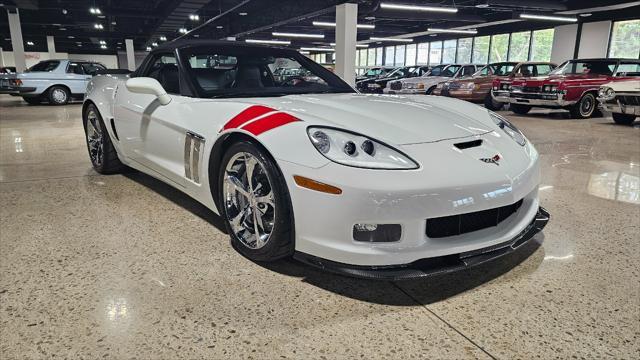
(453, 31)
(163, 38)
(585, 14)
(102, 42)
(482, 5)
(305, 52)
(219, 27)
(546, 17)
(316, 49)
(154, 44)
(98, 26)
(71, 37)
(274, 42)
(113, 23)
(79, 45)
(30, 43)
(418, 8)
(148, 48)
(311, 36)
(63, 29)
(243, 14)
(101, 16)
(196, 35)
(103, 46)
(95, 11)
(390, 39)
(330, 24)
(194, 17)
(64, 11)
(182, 30)
(56, 24)
(357, 45)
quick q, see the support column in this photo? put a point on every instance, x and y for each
(131, 56)
(1, 57)
(346, 35)
(16, 40)
(51, 46)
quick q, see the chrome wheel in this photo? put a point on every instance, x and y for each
(249, 200)
(59, 96)
(587, 105)
(94, 138)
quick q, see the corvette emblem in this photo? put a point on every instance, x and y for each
(492, 160)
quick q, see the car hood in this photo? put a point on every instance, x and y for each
(625, 86)
(394, 119)
(426, 80)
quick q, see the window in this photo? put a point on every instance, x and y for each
(435, 53)
(628, 69)
(468, 70)
(400, 52)
(519, 48)
(480, 49)
(45, 66)
(363, 58)
(598, 67)
(390, 53)
(541, 44)
(423, 53)
(357, 58)
(464, 50)
(449, 52)
(411, 55)
(92, 68)
(543, 69)
(74, 68)
(499, 46)
(165, 70)
(379, 52)
(625, 39)
(371, 57)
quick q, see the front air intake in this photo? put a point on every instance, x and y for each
(469, 222)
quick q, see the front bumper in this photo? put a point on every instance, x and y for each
(387, 90)
(500, 96)
(433, 266)
(468, 95)
(552, 100)
(617, 107)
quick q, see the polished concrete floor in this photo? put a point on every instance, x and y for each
(124, 266)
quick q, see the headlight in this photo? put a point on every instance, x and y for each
(550, 88)
(469, 86)
(606, 93)
(357, 150)
(508, 128)
(420, 86)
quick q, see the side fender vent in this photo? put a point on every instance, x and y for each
(193, 146)
(468, 144)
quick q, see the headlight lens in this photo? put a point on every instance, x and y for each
(606, 93)
(549, 88)
(357, 150)
(508, 128)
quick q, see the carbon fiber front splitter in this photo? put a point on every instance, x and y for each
(431, 266)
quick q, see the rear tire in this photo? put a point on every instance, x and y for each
(623, 119)
(32, 100)
(585, 107)
(103, 155)
(260, 205)
(520, 109)
(59, 95)
(491, 104)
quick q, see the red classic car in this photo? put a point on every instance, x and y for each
(572, 86)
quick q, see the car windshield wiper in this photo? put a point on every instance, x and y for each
(248, 94)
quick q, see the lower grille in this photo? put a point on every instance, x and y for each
(532, 89)
(629, 100)
(469, 222)
(396, 85)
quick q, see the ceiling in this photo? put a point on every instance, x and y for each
(73, 25)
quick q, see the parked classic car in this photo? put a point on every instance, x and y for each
(501, 86)
(376, 85)
(315, 170)
(622, 99)
(427, 84)
(56, 81)
(374, 72)
(572, 86)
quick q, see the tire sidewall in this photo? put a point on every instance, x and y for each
(85, 119)
(586, 97)
(281, 235)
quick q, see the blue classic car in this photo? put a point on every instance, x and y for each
(55, 81)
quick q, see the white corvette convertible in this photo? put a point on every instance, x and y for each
(375, 186)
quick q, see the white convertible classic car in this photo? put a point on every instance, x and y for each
(428, 82)
(622, 99)
(375, 186)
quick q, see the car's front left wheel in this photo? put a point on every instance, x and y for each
(255, 203)
(101, 151)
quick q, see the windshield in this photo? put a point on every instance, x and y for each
(374, 72)
(450, 70)
(436, 71)
(49, 65)
(251, 72)
(503, 69)
(628, 69)
(592, 67)
(399, 72)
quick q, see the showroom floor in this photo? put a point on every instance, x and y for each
(124, 266)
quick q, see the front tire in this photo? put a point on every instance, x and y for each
(520, 109)
(255, 203)
(430, 90)
(491, 104)
(584, 108)
(101, 151)
(59, 95)
(623, 119)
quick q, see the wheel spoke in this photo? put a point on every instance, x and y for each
(237, 185)
(250, 165)
(266, 199)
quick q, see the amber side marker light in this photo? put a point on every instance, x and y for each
(316, 185)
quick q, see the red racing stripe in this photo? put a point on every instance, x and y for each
(269, 122)
(247, 114)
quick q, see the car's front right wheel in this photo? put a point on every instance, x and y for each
(623, 119)
(101, 150)
(255, 203)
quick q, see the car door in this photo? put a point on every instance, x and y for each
(150, 133)
(75, 78)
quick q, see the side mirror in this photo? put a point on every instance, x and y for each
(147, 85)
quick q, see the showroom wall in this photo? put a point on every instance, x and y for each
(594, 39)
(32, 58)
(564, 43)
